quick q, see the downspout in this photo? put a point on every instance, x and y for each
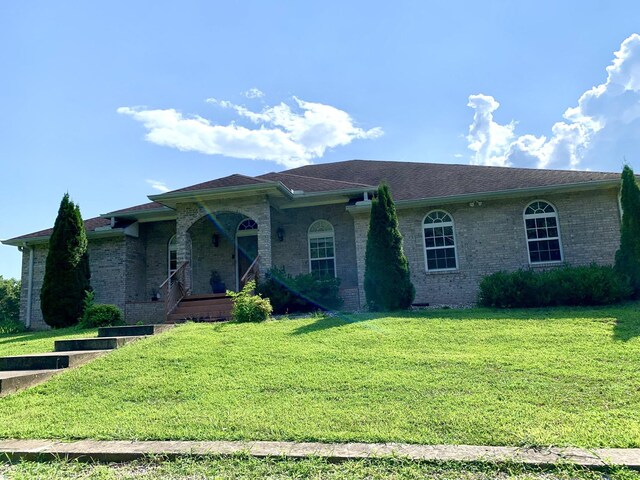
(27, 320)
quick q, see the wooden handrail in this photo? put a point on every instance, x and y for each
(246, 274)
(173, 289)
(175, 273)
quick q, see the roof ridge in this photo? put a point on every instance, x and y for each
(246, 176)
(317, 178)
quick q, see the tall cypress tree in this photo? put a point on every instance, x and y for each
(628, 255)
(387, 283)
(67, 275)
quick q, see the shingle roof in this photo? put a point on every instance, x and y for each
(235, 180)
(311, 184)
(139, 208)
(89, 225)
(410, 180)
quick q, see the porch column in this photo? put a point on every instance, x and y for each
(264, 236)
(361, 226)
(187, 214)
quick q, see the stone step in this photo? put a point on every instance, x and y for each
(12, 381)
(133, 330)
(48, 361)
(95, 343)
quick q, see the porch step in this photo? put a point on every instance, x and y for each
(202, 308)
(97, 343)
(132, 330)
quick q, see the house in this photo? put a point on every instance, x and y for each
(459, 223)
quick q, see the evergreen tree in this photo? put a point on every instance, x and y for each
(387, 283)
(67, 275)
(628, 255)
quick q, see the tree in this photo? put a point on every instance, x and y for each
(9, 300)
(387, 282)
(628, 255)
(67, 275)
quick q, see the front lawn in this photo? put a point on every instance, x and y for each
(38, 342)
(559, 376)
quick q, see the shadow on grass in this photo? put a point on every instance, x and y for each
(627, 325)
(326, 322)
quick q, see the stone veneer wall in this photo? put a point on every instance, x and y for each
(293, 252)
(491, 237)
(107, 260)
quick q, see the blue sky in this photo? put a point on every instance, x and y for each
(113, 101)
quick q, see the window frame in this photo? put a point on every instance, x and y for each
(322, 234)
(424, 242)
(526, 216)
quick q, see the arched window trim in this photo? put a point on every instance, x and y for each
(321, 234)
(251, 228)
(526, 216)
(424, 241)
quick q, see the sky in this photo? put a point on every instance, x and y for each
(114, 101)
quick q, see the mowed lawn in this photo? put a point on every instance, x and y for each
(38, 342)
(525, 377)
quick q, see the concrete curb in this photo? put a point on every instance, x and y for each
(119, 451)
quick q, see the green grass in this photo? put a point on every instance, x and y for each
(38, 342)
(242, 467)
(540, 377)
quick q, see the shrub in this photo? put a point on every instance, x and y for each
(248, 307)
(303, 293)
(11, 325)
(101, 315)
(66, 275)
(387, 282)
(592, 285)
(9, 301)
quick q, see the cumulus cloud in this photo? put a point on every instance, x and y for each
(289, 136)
(605, 122)
(253, 93)
(157, 185)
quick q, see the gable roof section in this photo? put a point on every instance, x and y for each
(235, 180)
(413, 181)
(312, 184)
(90, 226)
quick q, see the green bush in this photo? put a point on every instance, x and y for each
(101, 315)
(303, 293)
(11, 325)
(249, 307)
(592, 285)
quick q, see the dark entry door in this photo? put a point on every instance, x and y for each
(247, 253)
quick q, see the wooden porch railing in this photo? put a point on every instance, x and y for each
(173, 289)
(251, 273)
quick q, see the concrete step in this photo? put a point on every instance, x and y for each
(132, 330)
(96, 343)
(13, 381)
(49, 361)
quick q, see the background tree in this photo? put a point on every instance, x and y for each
(67, 275)
(9, 300)
(628, 255)
(387, 283)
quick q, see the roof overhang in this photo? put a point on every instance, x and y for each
(496, 195)
(42, 239)
(144, 216)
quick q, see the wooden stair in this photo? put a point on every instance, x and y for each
(215, 307)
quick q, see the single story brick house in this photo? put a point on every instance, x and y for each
(459, 223)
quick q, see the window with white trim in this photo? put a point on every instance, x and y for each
(543, 232)
(322, 255)
(439, 241)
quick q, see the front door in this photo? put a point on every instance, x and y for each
(246, 253)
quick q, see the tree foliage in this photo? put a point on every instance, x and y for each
(67, 275)
(387, 281)
(9, 300)
(628, 255)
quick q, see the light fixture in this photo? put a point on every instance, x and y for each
(215, 239)
(280, 234)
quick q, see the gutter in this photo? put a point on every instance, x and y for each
(22, 242)
(27, 320)
(469, 197)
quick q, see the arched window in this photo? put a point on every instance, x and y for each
(439, 241)
(172, 256)
(322, 255)
(247, 225)
(543, 232)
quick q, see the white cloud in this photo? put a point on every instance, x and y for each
(157, 185)
(282, 135)
(253, 93)
(598, 131)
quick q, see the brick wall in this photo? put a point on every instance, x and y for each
(491, 237)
